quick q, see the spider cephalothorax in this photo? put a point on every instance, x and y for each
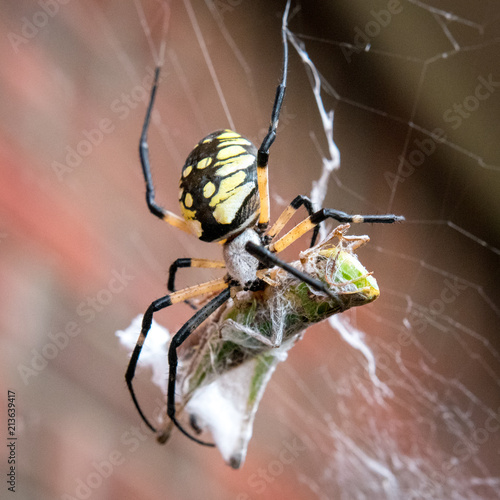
(225, 197)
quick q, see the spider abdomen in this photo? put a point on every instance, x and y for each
(219, 195)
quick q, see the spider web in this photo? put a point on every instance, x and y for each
(384, 113)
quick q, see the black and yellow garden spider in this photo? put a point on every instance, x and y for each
(225, 198)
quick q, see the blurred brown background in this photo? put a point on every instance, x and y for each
(81, 254)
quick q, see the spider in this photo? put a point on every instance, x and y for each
(224, 198)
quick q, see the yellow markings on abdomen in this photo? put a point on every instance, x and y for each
(208, 189)
(230, 197)
(239, 163)
(234, 142)
(188, 201)
(230, 151)
(227, 186)
(225, 211)
(204, 163)
(187, 214)
(228, 134)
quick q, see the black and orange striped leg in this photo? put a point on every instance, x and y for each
(287, 214)
(263, 153)
(189, 262)
(328, 213)
(269, 259)
(158, 305)
(176, 342)
(154, 208)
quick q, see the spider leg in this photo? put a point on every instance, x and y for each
(157, 305)
(269, 259)
(189, 262)
(263, 153)
(288, 213)
(176, 342)
(154, 208)
(328, 213)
